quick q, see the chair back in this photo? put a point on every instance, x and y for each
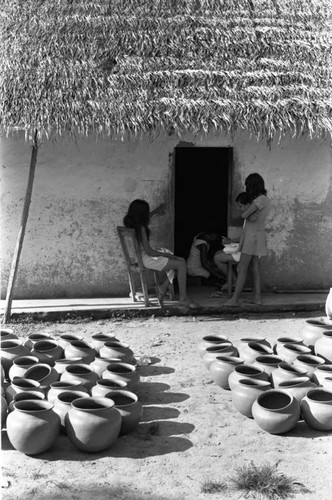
(130, 247)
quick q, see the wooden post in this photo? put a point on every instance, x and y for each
(20, 236)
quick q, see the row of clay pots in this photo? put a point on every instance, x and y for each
(89, 394)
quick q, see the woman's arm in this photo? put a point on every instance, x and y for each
(151, 251)
(249, 211)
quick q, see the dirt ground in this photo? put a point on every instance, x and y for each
(189, 434)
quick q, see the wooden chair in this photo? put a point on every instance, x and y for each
(134, 263)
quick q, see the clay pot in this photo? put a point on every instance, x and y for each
(327, 383)
(61, 386)
(129, 407)
(313, 330)
(211, 353)
(281, 341)
(316, 409)
(99, 339)
(322, 372)
(246, 371)
(328, 305)
(222, 367)
(80, 349)
(93, 424)
(308, 362)
(117, 350)
(20, 366)
(62, 403)
(47, 351)
(10, 350)
(243, 345)
(276, 411)
(209, 341)
(323, 346)
(24, 396)
(286, 372)
(66, 338)
(3, 376)
(125, 372)
(298, 387)
(32, 427)
(99, 365)
(268, 363)
(22, 385)
(42, 373)
(4, 412)
(36, 337)
(61, 364)
(105, 385)
(251, 350)
(7, 334)
(245, 392)
(289, 352)
(81, 373)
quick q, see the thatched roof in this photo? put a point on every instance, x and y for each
(122, 67)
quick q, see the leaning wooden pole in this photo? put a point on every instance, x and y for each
(20, 236)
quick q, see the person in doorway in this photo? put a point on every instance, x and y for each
(198, 262)
(253, 239)
(138, 218)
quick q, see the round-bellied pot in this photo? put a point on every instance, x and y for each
(268, 363)
(298, 387)
(33, 426)
(123, 371)
(117, 350)
(60, 364)
(243, 344)
(211, 353)
(281, 341)
(62, 386)
(36, 337)
(246, 371)
(99, 339)
(22, 385)
(42, 373)
(66, 338)
(328, 305)
(289, 352)
(313, 330)
(80, 349)
(321, 372)
(129, 407)
(323, 346)
(7, 334)
(252, 349)
(24, 396)
(62, 403)
(286, 372)
(209, 341)
(10, 350)
(316, 409)
(221, 369)
(327, 383)
(4, 412)
(245, 392)
(47, 351)
(276, 411)
(308, 362)
(93, 424)
(82, 373)
(20, 366)
(99, 364)
(105, 385)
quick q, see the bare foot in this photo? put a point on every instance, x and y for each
(189, 304)
(231, 303)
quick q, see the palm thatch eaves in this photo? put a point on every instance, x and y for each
(128, 67)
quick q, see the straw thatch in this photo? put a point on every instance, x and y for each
(121, 67)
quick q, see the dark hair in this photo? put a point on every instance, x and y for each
(254, 186)
(242, 198)
(138, 216)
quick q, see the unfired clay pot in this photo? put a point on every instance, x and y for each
(221, 369)
(245, 393)
(316, 409)
(276, 411)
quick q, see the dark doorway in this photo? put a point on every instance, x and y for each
(201, 194)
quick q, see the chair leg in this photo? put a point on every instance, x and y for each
(145, 290)
(229, 279)
(132, 286)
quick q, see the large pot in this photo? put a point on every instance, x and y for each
(323, 346)
(210, 341)
(47, 351)
(211, 353)
(125, 372)
(117, 350)
(42, 373)
(276, 411)
(246, 371)
(129, 407)
(20, 366)
(62, 386)
(82, 373)
(245, 393)
(10, 350)
(251, 350)
(32, 427)
(298, 387)
(268, 363)
(63, 401)
(221, 369)
(308, 362)
(93, 424)
(286, 372)
(316, 409)
(289, 352)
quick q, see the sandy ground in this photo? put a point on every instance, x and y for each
(190, 432)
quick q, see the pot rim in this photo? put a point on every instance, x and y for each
(122, 392)
(95, 404)
(252, 368)
(231, 359)
(254, 382)
(311, 359)
(74, 392)
(319, 391)
(33, 405)
(12, 344)
(32, 381)
(268, 393)
(292, 368)
(296, 381)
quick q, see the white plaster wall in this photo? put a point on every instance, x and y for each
(83, 189)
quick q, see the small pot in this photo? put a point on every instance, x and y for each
(308, 362)
(62, 403)
(62, 386)
(321, 372)
(286, 372)
(316, 409)
(125, 372)
(298, 387)
(22, 385)
(66, 338)
(251, 350)
(20, 366)
(82, 373)
(98, 340)
(117, 350)
(211, 353)
(245, 393)
(36, 337)
(289, 352)
(47, 351)
(24, 396)
(221, 369)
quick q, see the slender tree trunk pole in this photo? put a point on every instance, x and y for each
(20, 236)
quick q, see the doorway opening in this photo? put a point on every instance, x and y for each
(201, 194)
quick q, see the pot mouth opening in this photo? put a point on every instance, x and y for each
(69, 396)
(291, 368)
(290, 340)
(103, 336)
(69, 361)
(297, 348)
(248, 370)
(310, 360)
(45, 345)
(10, 343)
(78, 369)
(121, 399)
(294, 382)
(269, 360)
(24, 396)
(260, 347)
(120, 369)
(116, 344)
(26, 383)
(62, 384)
(324, 368)
(274, 400)
(233, 360)
(69, 336)
(214, 338)
(219, 347)
(113, 384)
(38, 372)
(320, 395)
(254, 382)
(89, 403)
(80, 344)
(25, 360)
(31, 405)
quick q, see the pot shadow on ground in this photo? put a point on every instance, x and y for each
(303, 430)
(150, 393)
(151, 413)
(94, 491)
(152, 370)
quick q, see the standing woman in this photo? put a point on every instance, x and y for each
(253, 239)
(138, 218)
